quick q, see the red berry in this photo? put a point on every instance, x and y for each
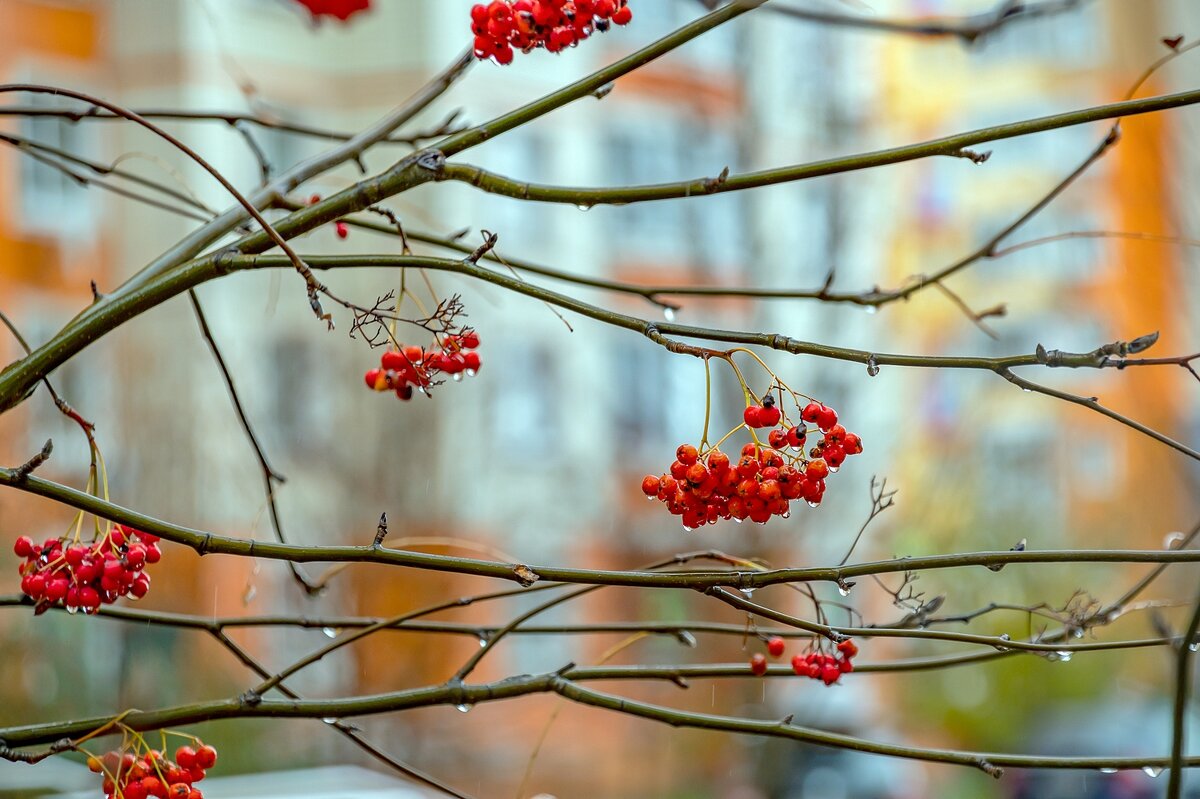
(835, 456)
(830, 674)
(848, 648)
(795, 437)
(800, 665)
(622, 16)
(471, 361)
(770, 416)
(342, 229)
(752, 416)
(852, 444)
(686, 454)
(697, 474)
(758, 664)
(778, 439)
(775, 646)
(185, 756)
(827, 418)
(23, 547)
(650, 485)
(206, 757)
(817, 470)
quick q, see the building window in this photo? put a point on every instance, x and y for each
(51, 202)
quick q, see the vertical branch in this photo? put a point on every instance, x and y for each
(270, 476)
(1183, 689)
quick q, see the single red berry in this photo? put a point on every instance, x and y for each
(752, 416)
(800, 665)
(852, 444)
(341, 229)
(374, 378)
(206, 757)
(178, 790)
(778, 439)
(471, 361)
(830, 674)
(185, 756)
(795, 437)
(835, 456)
(770, 416)
(717, 460)
(686, 454)
(758, 664)
(827, 419)
(469, 340)
(748, 466)
(697, 474)
(775, 646)
(622, 16)
(848, 648)
(650, 485)
(817, 470)
(23, 547)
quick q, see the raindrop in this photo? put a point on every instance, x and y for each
(843, 590)
(1152, 771)
(872, 367)
(462, 708)
(1194, 647)
(483, 641)
(651, 497)
(812, 504)
(1172, 539)
(688, 529)
(1077, 633)
(749, 592)
(584, 207)
(422, 390)
(1108, 771)
(833, 468)
(669, 314)
(457, 378)
(1064, 656)
(72, 609)
(737, 520)
(471, 373)
(687, 639)
(329, 720)
(1026, 390)
(787, 514)
(329, 632)
(1003, 637)
(871, 309)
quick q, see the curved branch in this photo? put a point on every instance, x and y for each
(948, 145)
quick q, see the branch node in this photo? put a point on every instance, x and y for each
(525, 575)
(380, 532)
(22, 472)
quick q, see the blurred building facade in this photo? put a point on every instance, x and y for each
(539, 455)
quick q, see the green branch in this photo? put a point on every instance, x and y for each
(948, 146)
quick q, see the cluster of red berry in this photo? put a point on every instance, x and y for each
(706, 487)
(83, 576)
(816, 665)
(501, 27)
(127, 776)
(400, 370)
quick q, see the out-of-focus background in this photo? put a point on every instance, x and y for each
(540, 455)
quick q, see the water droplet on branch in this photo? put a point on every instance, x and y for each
(329, 632)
